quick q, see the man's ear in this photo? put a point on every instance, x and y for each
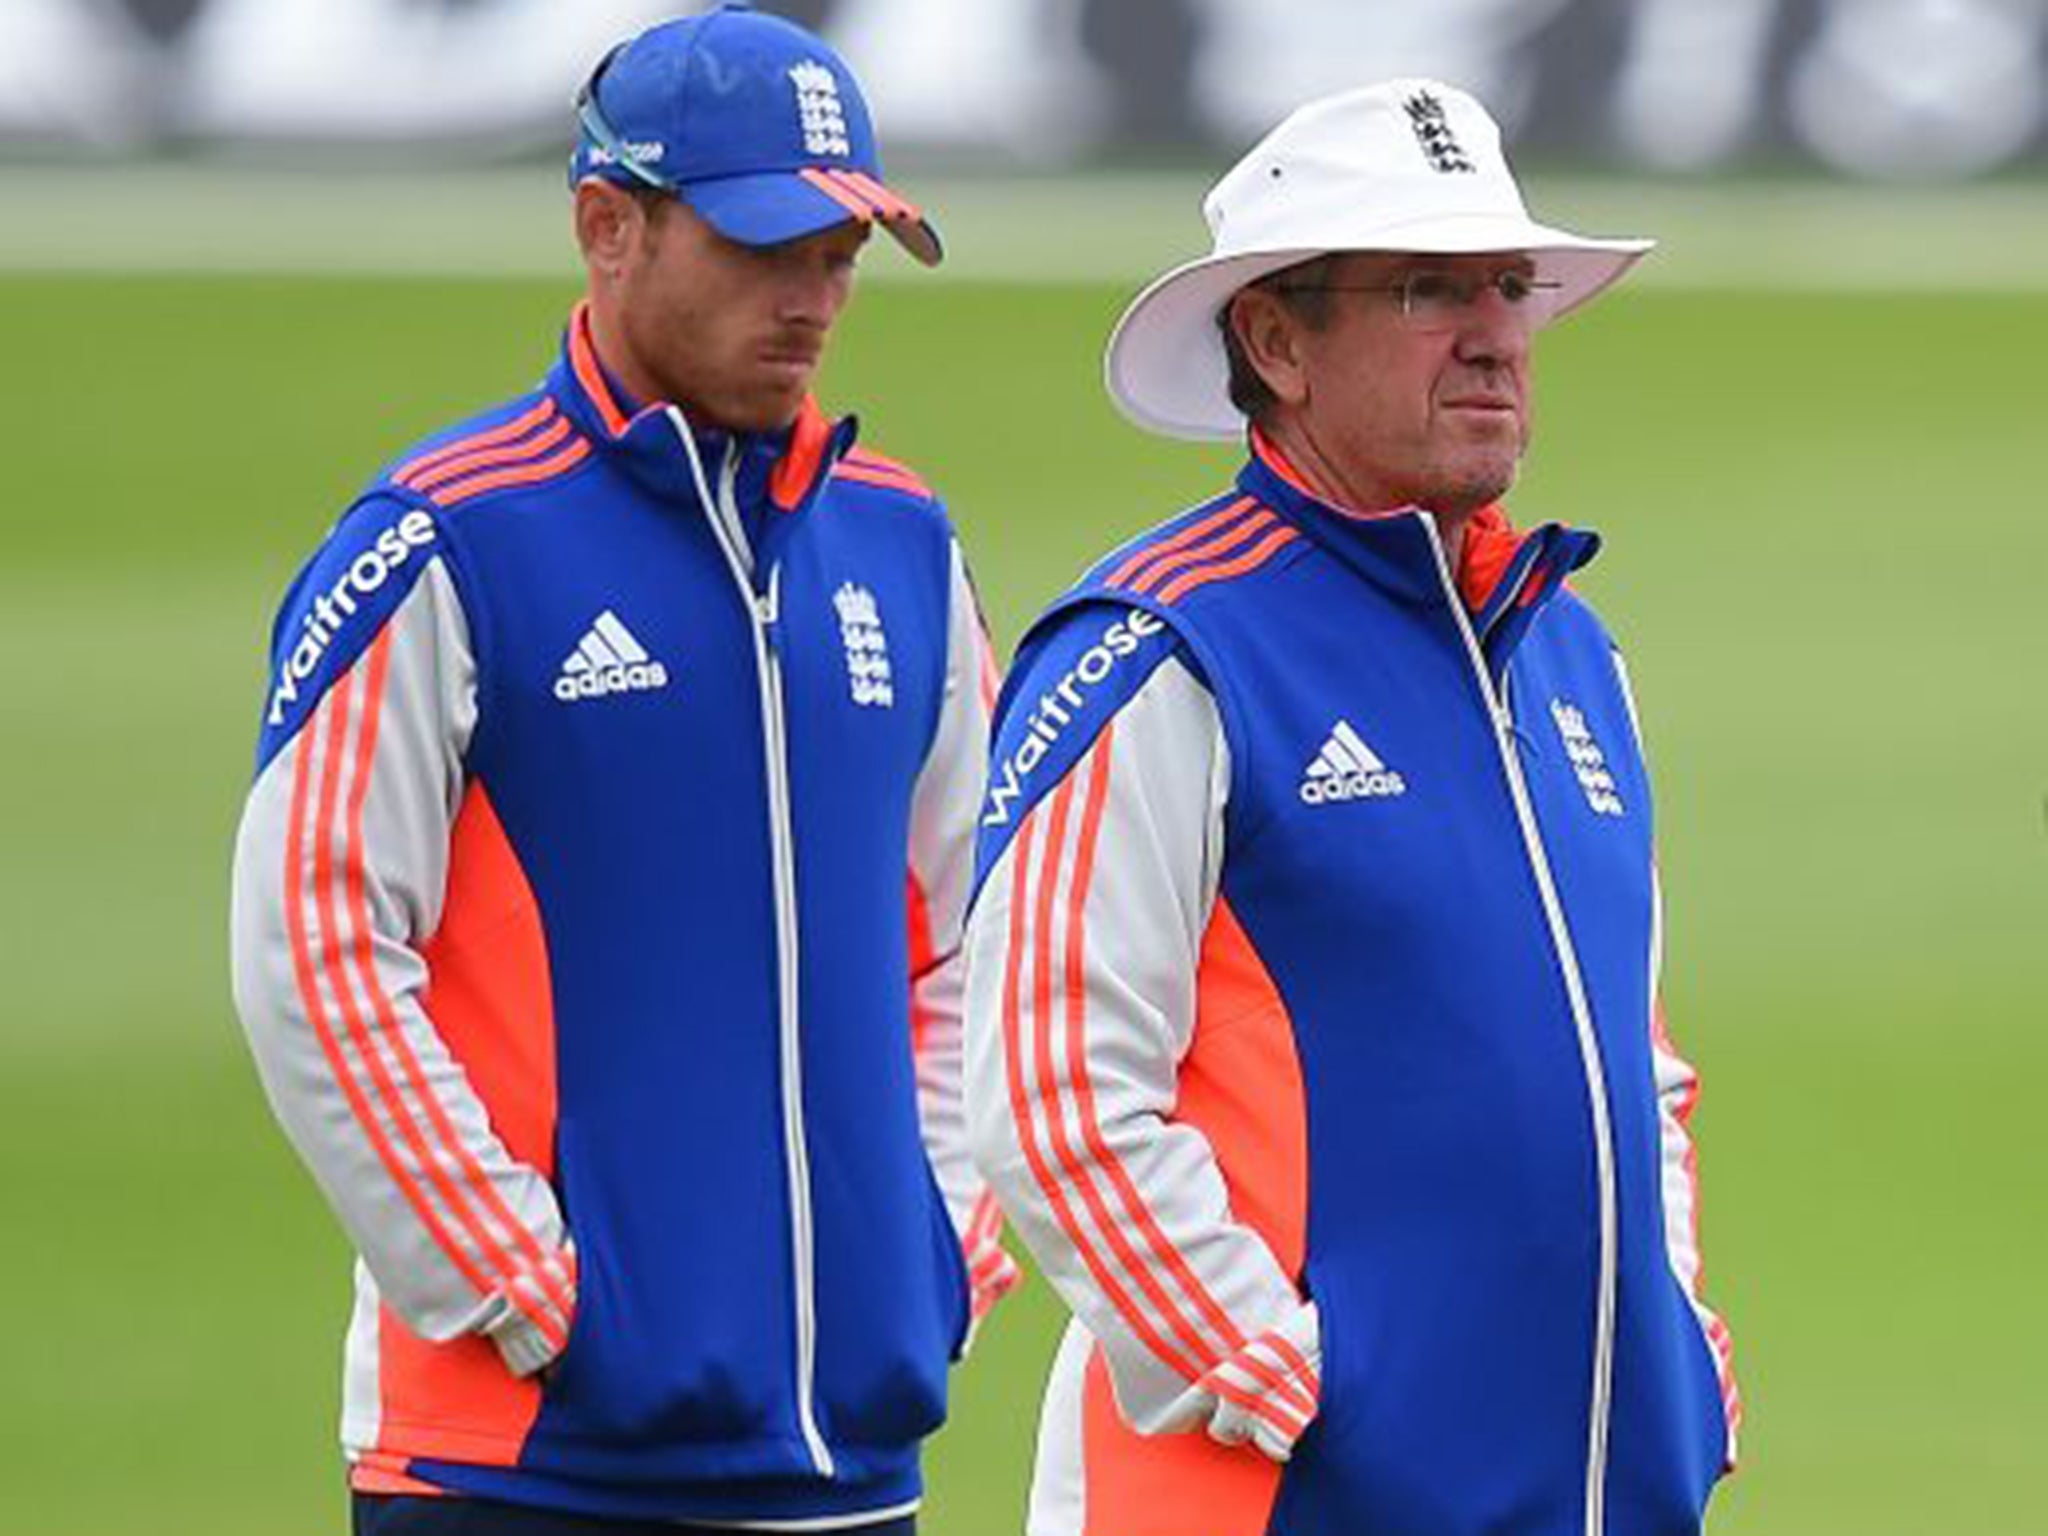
(1269, 334)
(608, 224)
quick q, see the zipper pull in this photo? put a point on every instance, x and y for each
(1504, 724)
(1512, 733)
(768, 604)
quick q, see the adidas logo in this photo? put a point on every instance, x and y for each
(1347, 769)
(608, 660)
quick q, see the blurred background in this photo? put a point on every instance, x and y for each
(249, 249)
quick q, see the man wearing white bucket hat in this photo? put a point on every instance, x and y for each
(1313, 1033)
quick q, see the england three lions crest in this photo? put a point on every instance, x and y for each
(867, 646)
(1589, 763)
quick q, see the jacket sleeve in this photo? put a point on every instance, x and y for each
(339, 875)
(1098, 882)
(944, 806)
(1678, 1092)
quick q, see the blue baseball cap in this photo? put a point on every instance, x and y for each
(750, 120)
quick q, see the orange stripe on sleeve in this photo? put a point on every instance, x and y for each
(1232, 538)
(518, 427)
(868, 474)
(488, 458)
(1250, 560)
(869, 458)
(558, 463)
(1296, 1363)
(1079, 1169)
(333, 715)
(1022, 1112)
(1186, 536)
(861, 453)
(1051, 1087)
(335, 956)
(1100, 1154)
(987, 1220)
(488, 1199)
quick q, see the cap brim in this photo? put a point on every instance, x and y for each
(776, 206)
(1164, 365)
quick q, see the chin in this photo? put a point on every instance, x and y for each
(771, 412)
(759, 415)
(1467, 493)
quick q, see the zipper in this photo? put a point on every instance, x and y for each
(763, 604)
(1589, 1049)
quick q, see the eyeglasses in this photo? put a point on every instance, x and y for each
(592, 121)
(1441, 301)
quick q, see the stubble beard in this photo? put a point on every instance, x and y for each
(1461, 489)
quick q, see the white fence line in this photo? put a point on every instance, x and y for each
(1115, 227)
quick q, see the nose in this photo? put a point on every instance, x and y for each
(808, 298)
(1493, 332)
(812, 291)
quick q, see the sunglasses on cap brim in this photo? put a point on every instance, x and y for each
(591, 119)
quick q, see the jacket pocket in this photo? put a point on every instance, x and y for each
(682, 1320)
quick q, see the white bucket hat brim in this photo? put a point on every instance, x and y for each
(1165, 365)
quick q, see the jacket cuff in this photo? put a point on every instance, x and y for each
(521, 1344)
(529, 1320)
(991, 1273)
(1268, 1392)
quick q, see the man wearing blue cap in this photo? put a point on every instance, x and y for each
(598, 898)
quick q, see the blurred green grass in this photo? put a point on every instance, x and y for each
(1825, 555)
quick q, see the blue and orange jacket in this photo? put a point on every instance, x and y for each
(1313, 1043)
(596, 926)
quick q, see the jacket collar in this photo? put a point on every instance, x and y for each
(1501, 571)
(785, 468)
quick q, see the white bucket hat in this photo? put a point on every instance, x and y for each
(1405, 165)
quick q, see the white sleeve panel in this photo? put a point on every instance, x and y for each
(943, 810)
(1083, 950)
(1678, 1092)
(340, 872)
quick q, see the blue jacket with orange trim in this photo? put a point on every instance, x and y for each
(571, 935)
(1313, 1043)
